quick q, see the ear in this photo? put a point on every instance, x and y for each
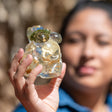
(56, 37)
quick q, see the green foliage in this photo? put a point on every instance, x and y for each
(40, 36)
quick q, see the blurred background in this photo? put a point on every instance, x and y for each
(15, 17)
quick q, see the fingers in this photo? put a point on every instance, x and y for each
(30, 87)
(60, 78)
(15, 63)
(33, 74)
(22, 67)
(18, 78)
(57, 81)
(63, 71)
(21, 85)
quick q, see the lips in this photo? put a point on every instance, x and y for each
(86, 70)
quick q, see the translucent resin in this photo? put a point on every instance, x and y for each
(43, 46)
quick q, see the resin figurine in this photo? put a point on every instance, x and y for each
(43, 46)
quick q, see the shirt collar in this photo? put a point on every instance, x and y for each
(109, 102)
(66, 100)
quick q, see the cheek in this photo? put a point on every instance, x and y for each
(106, 62)
(71, 54)
(106, 56)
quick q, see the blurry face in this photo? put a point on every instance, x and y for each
(87, 50)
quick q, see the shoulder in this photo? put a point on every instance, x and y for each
(20, 108)
(109, 102)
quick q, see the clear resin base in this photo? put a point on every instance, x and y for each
(43, 46)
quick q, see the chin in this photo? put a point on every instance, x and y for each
(86, 85)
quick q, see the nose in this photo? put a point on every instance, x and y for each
(88, 50)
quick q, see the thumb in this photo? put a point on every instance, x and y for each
(57, 81)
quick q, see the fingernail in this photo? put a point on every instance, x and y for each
(39, 66)
(28, 56)
(18, 50)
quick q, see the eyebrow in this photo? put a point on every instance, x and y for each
(104, 35)
(82, 34)
(74, 32)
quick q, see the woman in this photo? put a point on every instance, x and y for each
(87, 51)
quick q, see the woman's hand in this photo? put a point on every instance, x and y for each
(41, 98)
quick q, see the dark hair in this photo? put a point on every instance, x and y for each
(107, 7)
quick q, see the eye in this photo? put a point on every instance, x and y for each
(75, 37)
(103, 43)
(73, 40)
(103, 39)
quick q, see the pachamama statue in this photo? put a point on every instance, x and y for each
(44, 48)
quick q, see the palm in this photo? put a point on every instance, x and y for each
(47, 95)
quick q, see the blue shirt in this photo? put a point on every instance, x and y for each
(67, 104)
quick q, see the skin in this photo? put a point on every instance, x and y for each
(88, 42)
(34, 98)
(88, 59)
